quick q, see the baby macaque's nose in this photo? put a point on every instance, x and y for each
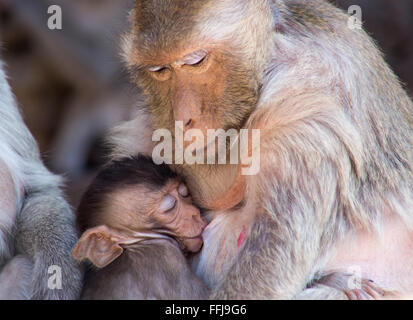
(196, 215)
(204, 224)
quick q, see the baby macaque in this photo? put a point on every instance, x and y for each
(137, 219)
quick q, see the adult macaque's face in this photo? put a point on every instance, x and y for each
(193, 85)
(202, 87)
(179, 216)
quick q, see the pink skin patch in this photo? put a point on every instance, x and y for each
(242, 237)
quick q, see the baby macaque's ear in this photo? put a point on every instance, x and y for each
(100, 245)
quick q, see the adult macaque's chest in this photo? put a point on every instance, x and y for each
(231, 211)
(387, 260)
(223, 239)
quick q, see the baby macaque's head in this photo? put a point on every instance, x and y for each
(133, 200)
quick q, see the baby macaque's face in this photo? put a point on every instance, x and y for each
(175, 214)
(167, 210)
(138, 212)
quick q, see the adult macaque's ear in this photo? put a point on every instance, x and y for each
(100, 245)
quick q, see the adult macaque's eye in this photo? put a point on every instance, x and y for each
(195, 59)
(160, 73)
(168, 203)
(183, 190)
(156, 69)
(196, 62)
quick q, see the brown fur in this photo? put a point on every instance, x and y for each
(336, 148)
(136, 245)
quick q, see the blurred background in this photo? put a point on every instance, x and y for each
(71, 85)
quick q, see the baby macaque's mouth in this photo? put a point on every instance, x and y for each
(199, 236)
(192, 244)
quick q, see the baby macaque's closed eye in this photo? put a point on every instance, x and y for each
(183, 190)
(168, 203)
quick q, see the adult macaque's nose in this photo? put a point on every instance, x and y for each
(186, 117)
(187, 107)
(188, 123)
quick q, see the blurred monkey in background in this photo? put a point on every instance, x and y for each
(37, 226)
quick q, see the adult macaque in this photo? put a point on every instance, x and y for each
(37, 229)
(335, 189)
(135, 218)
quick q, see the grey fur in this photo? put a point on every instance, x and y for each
(15, 279)
(152, 270)
(347, 139)
(44, 231)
